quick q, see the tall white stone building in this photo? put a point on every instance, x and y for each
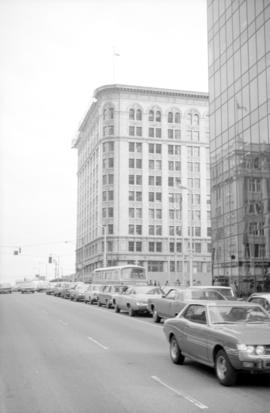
(143, 181)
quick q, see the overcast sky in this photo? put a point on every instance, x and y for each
(54, 54)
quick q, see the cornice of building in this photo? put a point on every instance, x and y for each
(142, 90)
(145, 90)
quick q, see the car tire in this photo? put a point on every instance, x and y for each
(108, 305)
(99, 303)
(225, 372)
(116, 309)
(156, 317)
(131, 312)
(175, 352)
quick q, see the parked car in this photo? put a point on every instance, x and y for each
(135, 299)
(65, 292)
(261, 298)
(78, 293)
(51, 288)
(5, 288)
(107, 296)
(60, 287)
(171, 303)
(27, 287)
(231, 336)
(92, 293)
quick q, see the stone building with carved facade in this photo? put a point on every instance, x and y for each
(144, 182)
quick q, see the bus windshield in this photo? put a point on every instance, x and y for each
(133, 274)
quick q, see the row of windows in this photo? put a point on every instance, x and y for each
(172, 117)
(153, 115)
(158, 247)
(193, 151)
(137, 196)
(158, 266)
(157, 133)
(153, 246)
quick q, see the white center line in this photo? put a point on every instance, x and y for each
(181, 394)
(98, 343)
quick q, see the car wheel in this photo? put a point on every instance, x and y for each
(156, 317)
(99, 303)
(224, 370)
(108, 305)
(116, 309)
(131, 312)
(175, 352)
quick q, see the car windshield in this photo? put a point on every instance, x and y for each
(226, 292)
(237, 314)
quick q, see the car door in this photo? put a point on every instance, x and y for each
(121, 299)
(163, 304)
(195, 332)
(177, 304)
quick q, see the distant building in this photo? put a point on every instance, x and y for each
(239, 95)
(136, 147)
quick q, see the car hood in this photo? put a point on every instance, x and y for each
(248, 333)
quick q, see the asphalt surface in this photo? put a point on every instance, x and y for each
(58, 356)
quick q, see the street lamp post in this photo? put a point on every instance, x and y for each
(105, 247)
(105, 244)
(184, 188)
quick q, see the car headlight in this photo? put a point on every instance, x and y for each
(258, 350)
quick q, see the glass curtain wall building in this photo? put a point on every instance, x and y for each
(239, 91)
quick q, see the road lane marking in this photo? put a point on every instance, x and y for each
(98, 343)
(181, 394)
(125, 315)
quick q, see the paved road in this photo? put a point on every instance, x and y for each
(58, 356)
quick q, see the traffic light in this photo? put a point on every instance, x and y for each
(50, 260)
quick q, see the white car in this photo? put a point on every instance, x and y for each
(91, 294)
(135, 299)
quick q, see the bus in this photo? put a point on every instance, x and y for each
(123, 274)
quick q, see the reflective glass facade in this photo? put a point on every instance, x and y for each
(239, 97)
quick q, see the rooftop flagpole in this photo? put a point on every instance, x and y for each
(115, 54)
